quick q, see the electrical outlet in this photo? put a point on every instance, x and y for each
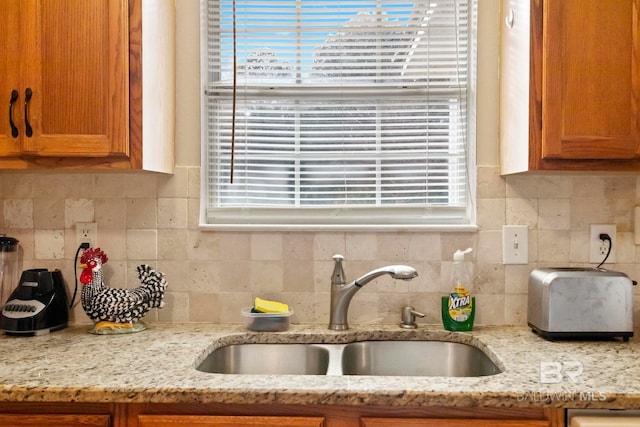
(598, 248)
(515, 244)
(87, 232)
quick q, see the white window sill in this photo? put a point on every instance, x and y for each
(450, 228)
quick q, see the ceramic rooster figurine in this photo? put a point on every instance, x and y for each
(118, 310)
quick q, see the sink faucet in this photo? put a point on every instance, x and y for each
(341, 292)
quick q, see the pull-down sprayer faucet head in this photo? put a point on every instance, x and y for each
(402, 272)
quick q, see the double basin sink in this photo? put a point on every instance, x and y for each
(400, 358)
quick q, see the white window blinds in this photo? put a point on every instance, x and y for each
(337, 112)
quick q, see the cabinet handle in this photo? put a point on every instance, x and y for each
(28, 93)
(14, 128)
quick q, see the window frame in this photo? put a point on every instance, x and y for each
(365, 219)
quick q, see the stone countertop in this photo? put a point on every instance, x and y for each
(158, 365)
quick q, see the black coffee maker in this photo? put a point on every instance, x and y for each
(37, 306)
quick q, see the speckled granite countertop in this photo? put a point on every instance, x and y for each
(158, 365)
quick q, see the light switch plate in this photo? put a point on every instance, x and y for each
(515, 244)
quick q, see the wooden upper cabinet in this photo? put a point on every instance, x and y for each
(75, 56)
(79, 70)
(591, 80)
(9, 77)
(570, 85)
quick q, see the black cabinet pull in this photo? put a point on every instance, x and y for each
(28, 93)
(14, 128)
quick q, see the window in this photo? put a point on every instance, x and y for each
(338, 113)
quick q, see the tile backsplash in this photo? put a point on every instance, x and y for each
(148, 218)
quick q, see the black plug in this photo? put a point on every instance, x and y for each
(83, 246)
(605, 238)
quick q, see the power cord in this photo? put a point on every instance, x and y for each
(605, 237)
(83, 247)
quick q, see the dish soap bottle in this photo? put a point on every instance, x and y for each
(459, 307)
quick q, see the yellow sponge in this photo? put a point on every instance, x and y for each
(266, 306)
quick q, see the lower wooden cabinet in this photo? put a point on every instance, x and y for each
(227, 421)
(234, 415)
(443, 422)
(258, 421)
(268, 415)
(55, 414)
(55, 420)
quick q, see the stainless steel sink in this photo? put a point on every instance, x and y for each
(402, 358)
(276, 359)
(416, 358)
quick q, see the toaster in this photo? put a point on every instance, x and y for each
(588, 303)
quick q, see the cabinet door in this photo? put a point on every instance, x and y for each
(227, 421)
(431, 422)
(591, 79)
(75, 64)
(10, 78)
(55, 420)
